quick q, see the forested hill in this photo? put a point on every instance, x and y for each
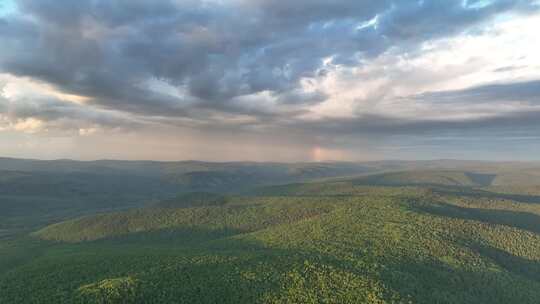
(35, 192)
(328, 242)
(195, 232)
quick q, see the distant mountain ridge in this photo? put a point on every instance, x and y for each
(42, 191)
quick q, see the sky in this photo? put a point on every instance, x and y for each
(262, 80)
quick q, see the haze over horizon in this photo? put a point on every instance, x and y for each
(266, 80)
(437, 161)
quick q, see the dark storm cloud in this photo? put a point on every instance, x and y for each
(380, 125)
(528, 91)
(216, 52)
(430, 19)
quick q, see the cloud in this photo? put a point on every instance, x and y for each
(217, 50)
(32, 114)
(479, 109)
(528, 91)
(29, 125)
(507, 69)
(373, 125)
(316, 72)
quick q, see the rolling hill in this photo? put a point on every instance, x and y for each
(432, 235)
(337, 242)
(442, 178)
(34, 193)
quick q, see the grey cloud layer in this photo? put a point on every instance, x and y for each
(106, 50)
(527, 91)
(519, 121)
(228, 57)
(374, 125)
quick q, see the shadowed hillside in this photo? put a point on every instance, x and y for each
(443, 178)
(35, 193)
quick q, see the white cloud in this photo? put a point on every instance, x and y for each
(378, 86)
(26, 88)
(27, 125)
(88, 131)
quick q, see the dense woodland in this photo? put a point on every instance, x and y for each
(422, 236)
